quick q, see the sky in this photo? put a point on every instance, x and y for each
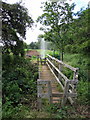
(34, 11)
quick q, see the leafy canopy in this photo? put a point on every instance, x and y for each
(15, 20)
(56, 19)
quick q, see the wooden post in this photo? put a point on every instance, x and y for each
(59, 76)
(65, 95)
(41, 94)
(50, 92)
(75, 78)
(39, 90)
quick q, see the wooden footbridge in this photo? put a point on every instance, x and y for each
(51, 75)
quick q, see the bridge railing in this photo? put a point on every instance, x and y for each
(68, 86)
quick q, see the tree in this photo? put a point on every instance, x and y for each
(34, 45)
(78, 34)
(15, 20)
(57, 17)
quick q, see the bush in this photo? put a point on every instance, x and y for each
(83, 92)
(68, 48)
(71, 49)
(83, 62)
(56, 56)
(19, 79)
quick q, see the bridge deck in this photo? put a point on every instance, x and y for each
(45, 74)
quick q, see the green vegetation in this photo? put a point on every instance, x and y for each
(83, 63)
(15, 21)
(34, 45)
(19, 75)
(71, 39)
(19, 84)
(68, 33)
(71, 35)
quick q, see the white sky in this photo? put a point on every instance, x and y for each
(35, 11)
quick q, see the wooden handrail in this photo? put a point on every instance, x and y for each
(68, 86)
(66, 79)
(68, 66)
(68, 93)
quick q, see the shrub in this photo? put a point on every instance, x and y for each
(83, 92)
(19, 79)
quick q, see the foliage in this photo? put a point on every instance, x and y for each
(19, 79)
(83, 92)
(52, 108)
(10, 112)
(34, 45)
(62, 113)
(68, 33)
(57, 17)
(78, 34)
(83, 62)
(15, 20)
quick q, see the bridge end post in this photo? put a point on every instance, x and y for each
(65, 97)
(41, 94)
(49, 92)
(39, 89)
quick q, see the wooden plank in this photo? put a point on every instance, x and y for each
(57, 94)
(72, 81)
(42, 81)
(68, 66)
(55, 76)
(72, 86)
(56, 99)
(72, 94)
(70, 100)
(40, 93)
(73, 90)
(66, 79)
(44, 95)
(68, 94)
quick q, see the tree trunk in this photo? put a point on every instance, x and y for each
(62, 55)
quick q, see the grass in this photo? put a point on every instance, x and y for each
(76, 60)
(37, 114)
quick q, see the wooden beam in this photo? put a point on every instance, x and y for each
(68, 66)
(55, 76)
(66, 79)
(57, 94)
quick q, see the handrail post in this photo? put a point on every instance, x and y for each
(75, 79)
(40, 91)
(59, 76)
(50, 92)
(65, 95)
